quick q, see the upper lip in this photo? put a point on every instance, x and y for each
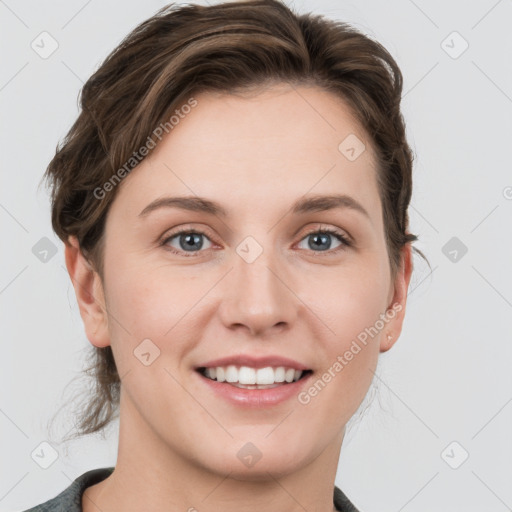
(254, 362)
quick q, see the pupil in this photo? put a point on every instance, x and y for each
(191, 240)
(324, 237)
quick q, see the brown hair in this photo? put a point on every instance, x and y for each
(187, 49)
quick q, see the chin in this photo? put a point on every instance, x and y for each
(253, 462)
(260, 471)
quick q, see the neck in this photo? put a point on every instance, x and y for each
(150, 475)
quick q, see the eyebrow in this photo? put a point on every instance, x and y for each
(301, 206)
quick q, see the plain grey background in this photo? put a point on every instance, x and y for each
(443, 393)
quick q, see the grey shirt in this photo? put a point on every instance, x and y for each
(70, 499)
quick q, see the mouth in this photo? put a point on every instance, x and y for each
(246, 377)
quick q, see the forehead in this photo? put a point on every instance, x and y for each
(269, 146)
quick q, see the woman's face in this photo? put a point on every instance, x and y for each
(250, 282)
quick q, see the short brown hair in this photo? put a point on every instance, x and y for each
(187, 49)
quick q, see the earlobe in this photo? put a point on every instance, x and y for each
(89, 294)
(396, 308)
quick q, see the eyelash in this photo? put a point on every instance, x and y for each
(345, 242)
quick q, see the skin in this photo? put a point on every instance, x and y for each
(255, 155)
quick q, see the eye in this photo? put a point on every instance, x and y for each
(187, 241)
(190, 241)
(320, 240)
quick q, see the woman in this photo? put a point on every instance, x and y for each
(233, 201)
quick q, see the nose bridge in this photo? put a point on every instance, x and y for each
(257, 296)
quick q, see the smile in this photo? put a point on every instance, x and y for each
(253, 378)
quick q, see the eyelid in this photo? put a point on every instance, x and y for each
(331, 230)
(184, 229)
(345, 239)
(172, 233)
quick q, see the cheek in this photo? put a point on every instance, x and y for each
(352, 307)
(151, 328)
(149, 305)
(152, 299)
(349, 300)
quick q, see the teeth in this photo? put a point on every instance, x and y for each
(220, 374)
(265, 376)
(289, 374)
(279, 374)
(231, 374)
(246, 376)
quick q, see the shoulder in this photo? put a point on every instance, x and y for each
(342, 503)
(70, 499)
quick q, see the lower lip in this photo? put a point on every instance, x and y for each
(256, 397)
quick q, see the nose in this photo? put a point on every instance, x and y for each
(258, 297)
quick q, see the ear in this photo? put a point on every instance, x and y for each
(89, 294)
(397, 303)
